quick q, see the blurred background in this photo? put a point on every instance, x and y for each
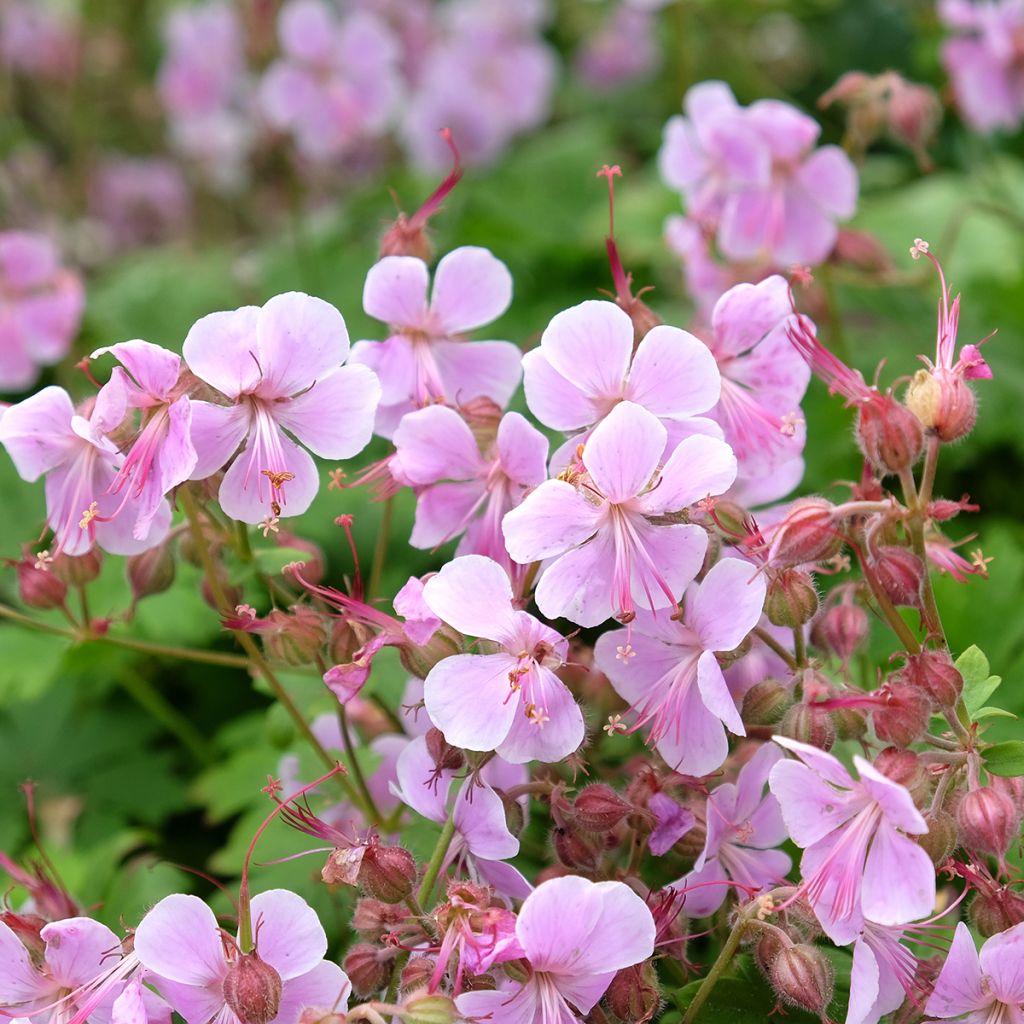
(185, 158)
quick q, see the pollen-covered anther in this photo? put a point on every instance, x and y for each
(88, 515)
(278, 479)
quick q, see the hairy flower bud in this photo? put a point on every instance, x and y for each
(940, 839)
(850, 723)
(889, 434)
(997, 911)
(368, 967)
(803, 976)
(442, 753)
(903, 718)
(904, 767)
(38, 586)
(420, 660)
(575, 849)
(422, 1008)
(634, 996)
(900, 574)
(791, 599)
(387, 872)
(78, 570)
(809, 724)
(151, 572)
(943, 402)
(298, 637)
(808, 533)
(987, 820)
(842, 630)
(598, 808)
(252, 989)
(770, 943)
(373, 918)
(934, 673)
(418, 972)
(766, 702)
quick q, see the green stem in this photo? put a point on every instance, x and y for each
(888, 610)
(770, 642)
(380, 551)
(177, 724)
(915, 525)
(372, 810)
(799, 646)
(718, 968)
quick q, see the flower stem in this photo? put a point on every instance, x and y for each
(770, 642)
(381, 550)
(372, 810)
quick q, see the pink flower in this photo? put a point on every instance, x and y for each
(141, 201)
(337, 82)
(585, 366)
(482, 840)
(181, 943)
(608, 554)
(162, 455)
(987, 987)
(45, 435)
(427, 358)
(576, 935)
(280, 366)
(512, 701)
(460, 490)
(40, 307)
(705, 278)
(983, 59)
(744, 826)
(666, 668)
(39, 39)
(858, 862)
(621, 52)
(672, 822)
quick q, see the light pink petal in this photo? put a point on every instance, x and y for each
(436, 444)
(864, 986)
(681, 161)
(179, 939)
(395, 291)
(523, 450)
(899, 879)
(473, 594)
(37, 432)
(810, 807)
(678, 551)
(334, 418)
(471, 369)
(20, 982)
(479, 816)
(550, 520)
(506, 879)
(894, 799)
(576, 584)
(829, 176)
(520, 1007)
(289, 934)
(443, 511)
(1002, 960)
(300, 339)
(49, 322)
(78, 949)
(750, 786)
(467, 698)
(419, 785)
(306, 29)
(221, 350)
(420, 623)
(960, 985)
(325, 987)
(708, 886)
(826, 765)
(715, 693)
(154, 369)
(130, 1006)
(198, 1004)
(727, 605)
(216, 433)
(556, 738)
(591, 345)
(245, 492)
(583, 990)
(554, 400)
(672, 822)
(394, 363)
(699, 466)
(787, 130)
(673, 374)
(838, 913)
(472, 287)
(751, 221)
(769, 371)
(747, 312)
(808, 233)
(624, 451)
(759, 869)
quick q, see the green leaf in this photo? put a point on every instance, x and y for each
(993, 713)
(273, 560)
(1005, 759)
(29, 664)
(979, 685)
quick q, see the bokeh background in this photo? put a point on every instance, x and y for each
(144, 764)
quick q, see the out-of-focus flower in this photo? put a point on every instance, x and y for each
(622, 50)
(39, 38)
(41, 307)
(140, 201)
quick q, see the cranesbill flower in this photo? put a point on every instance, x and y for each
(426, 359)
(667, 669)
(461, 490)
(744, 825)
(987, 987)
(585, 366)
(576, 935)
(41, 307)
(44, 434)
(611, 549)
(180, 942)
(280, 367)
(512, 701)
(858, 861)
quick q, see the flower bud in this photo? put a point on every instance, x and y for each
(418, 661)
(766, 702)
(803, 976)
(904, 767)
(317, 1015)
(889, 434)
(943, 402)
(343, 866)
(808, 533)
(634, 996)
(78, 570)
(792, 598)
(598, 808)
(151, 572)
(387, 872)
(422, 1008)
(934, 673)
(940, 839)
(770, 943)
(252, 989)
(900, 574)
(346, 640)
(862, 250)
(1013, 789)
(987, 820)
(994, 912)
(373, 918)
(903, 718)
(442, 753)
(298, 637)
(575, 849)
(418, 972)
(850, 724)
(842, 630)
(809, 724)
(39, 587)
(368, 967)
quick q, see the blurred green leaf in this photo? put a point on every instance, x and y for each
(1005, 759)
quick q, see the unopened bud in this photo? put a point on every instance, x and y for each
(368, 967)
(252, 989)
(842, 630)
(446, 758)
(421, 1008)
(940, 839)
(598, 808)
(792, 598)
(809, 724)
(387, 872)
(38, 586)
(151, 572)
(418, 972)
(766, 702)
(997, 911)
(419, 660)
(78, 570)
(634, 996)
(850, 723)
(346, 639)
(903, 718)
(575, 849)
(373, 918)
(889, 434)
(943, 403)
(807, 534)
(904, 767)
(770, 943)
(862, 250)
(934, 673)
(803, 976)
(298, 637)
(987, 821)
(900, 574)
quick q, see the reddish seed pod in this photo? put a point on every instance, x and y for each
(418, 972)
(368, 967)
(442, 753)
(598, 808)
(934, 673)
(809, 724)
(792, 598)
(78, 570)
(151, 572)
(387, 872)
(987, 820)
(766, 702)
(803, 976)
(575, 850)
(252, 989)
(634, 996)
(900, 574)
(889, 434)
(298, 638)
(904, 767)
(943, 402)
(940, 839)
(850, 724)
(807, 534)
(767, 948)
(28, 928)
(1013, 789)
(372, 918)
(995, 912)
(39, 587)
(904, 717)
(842, 630)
